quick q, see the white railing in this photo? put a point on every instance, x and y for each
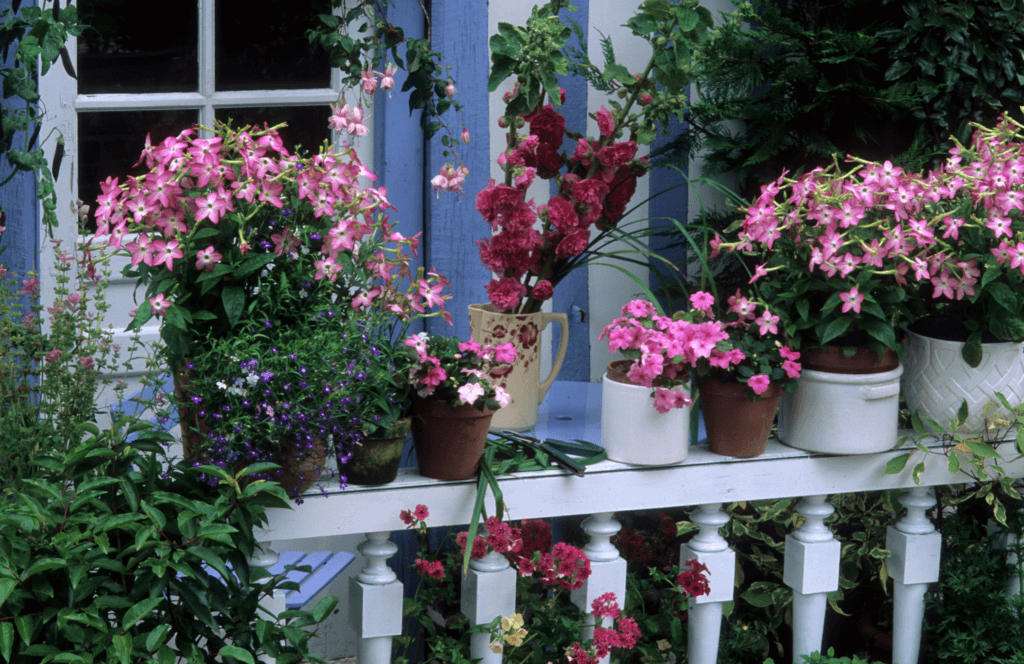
(706, 480)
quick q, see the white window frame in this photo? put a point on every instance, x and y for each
(61, 103)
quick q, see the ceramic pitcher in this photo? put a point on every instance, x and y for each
(521, 379)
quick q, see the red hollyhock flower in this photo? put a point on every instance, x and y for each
(543, 290)
(622, 189)
(562, 214)
(573, 244)
(505, 293)
(616, 155)
(548, 162)
(549, 126)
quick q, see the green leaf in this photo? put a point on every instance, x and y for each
(897, 464)
(237, 653)
(962, 414)
(233, 298)
(617, 72)
(953, 462)
(140, 611)
(324, 608)
(918, 469)
(501, 69)
(835, 328)
(155, 639)
(1020, 440)
(1004, 296)
(971, 352)
(131, 494)
(758, 598)
(123, 647)
(983, 450)
(6, 639)
(43, 565)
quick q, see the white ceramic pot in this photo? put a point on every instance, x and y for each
(842, 413)
(937, 380)
(632, 431)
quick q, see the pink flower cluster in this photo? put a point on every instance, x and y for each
(625, 634)
(600, 179)
(663, 349)
(692, 580)
(460, 375)
(955, 231)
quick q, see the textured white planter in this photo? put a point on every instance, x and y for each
(937, 380)
(633, 432)
(842, 413)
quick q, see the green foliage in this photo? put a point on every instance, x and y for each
(830, 658)
(959, 62)
(805, 79)
(972, 620)
(104, 553)
(362, 38)
(38, 35)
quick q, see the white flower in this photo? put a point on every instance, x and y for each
(501, 396)
(470, 392)
(222, 385)
(252, 379)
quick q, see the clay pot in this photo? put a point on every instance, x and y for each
(736, 426)
(193, 428)
(449, 440)
(299, 471)
(375, 461)
(831, 359)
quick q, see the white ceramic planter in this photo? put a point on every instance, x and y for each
(842, 413)
(633, 432)
(937, 380)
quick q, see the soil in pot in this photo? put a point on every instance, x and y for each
(831, 359)
(375, 461)
(736, 426)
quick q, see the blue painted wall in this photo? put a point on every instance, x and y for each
(20, 243)
(572, 295)
(452, 224)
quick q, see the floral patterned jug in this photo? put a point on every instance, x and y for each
(522, 378)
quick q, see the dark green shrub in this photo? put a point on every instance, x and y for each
(103, 553)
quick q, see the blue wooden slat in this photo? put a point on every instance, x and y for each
(314, 560)
(285, 559)
(453, 225)
(572, 295)
(319, 579)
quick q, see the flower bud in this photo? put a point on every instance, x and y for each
(465, 136)
(646, 99)
(503, 122)
(449, 90)
(520, 122)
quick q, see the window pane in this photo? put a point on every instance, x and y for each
(124, 50)
(109, 143)
(257, 52)
(307, 125)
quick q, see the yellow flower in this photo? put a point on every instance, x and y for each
(513, 622)
(663, 644)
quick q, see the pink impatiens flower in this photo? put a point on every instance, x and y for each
(701, 300)
(759, 383)
(470, 392)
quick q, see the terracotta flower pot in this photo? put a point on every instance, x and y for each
(300, 470)
(193, 428)
(449, 440)
(376, 460)
(736, 426)
(832, 360)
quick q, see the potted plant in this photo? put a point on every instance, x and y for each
(645, 400)
(453, 402)
(594, 178)
(832, 250)
(967, 340)
(740, 388)
(232, 232)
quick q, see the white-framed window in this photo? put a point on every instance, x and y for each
(142, 72)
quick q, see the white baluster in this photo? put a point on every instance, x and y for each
(1005, 541)
(915, 547)
(607, 572)
(375, 600)
(710, 548)
(488, 591)
(812, 571)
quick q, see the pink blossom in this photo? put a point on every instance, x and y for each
(450, 90)
(470, 392)
(944, 284)
(542, 290)
(369, 81)
(388, 80)
(759, 383)
(465, 135)
(759, 271)
(638, 308)
(421, 512)
(665, 400)
(54, 355)
(791, 368)
(207, 258)
(433, 569)
(701, 300)
(505, 293)
(158, 305)
(501, 396)
(852, 300)
(605, 122)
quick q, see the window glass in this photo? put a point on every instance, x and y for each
(110, 142)
(307, 125)
(126, 48)
(255, 53)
